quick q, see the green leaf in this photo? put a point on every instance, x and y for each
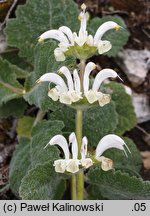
(24, 126)
(44, 62)
(132, 164)
(15, 108)
(36, 17)
(20, 164)
(117, 38)
(10, 87)
(13, 58)
(38, 96)
(124, 108)
(42, 183)
(31, 152)
(97, 121)
(116, 185)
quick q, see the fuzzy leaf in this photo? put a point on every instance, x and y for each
(10, 87)
(124, 108)
(118, 39)
(36, 17)
(15, 59)
(20, 164)
(15, 108)
(38, 96)
(116, 185)
(97, 121)
(24, 126)
(31, 152)
(44, 63)
(42, 183)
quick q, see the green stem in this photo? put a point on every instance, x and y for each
(73, 187)
(82, 69)
(80, 175)
(39, 117)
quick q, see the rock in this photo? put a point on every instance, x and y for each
(146, 159)
(135, 64)
(141, 106)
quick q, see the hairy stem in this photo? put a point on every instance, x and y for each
(73, 187)
(39, 117)
(82, 68)
(80, 175)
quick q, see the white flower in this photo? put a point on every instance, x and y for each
(107, 142)
(94, 94)
(73, 164)
(66, 93)
(70, 42)
(67, 164)
(70, 92)
(70, 164)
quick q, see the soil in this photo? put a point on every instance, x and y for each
(136, 15)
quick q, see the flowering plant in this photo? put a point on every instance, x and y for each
(72, 120)
(81, 46)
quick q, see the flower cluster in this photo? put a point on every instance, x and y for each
(80, 45)
(73, 164)
(75, 87)
(70, 92)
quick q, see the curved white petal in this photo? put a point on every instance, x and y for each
(53, 94)
(88, 69)
(103, 46)
(64, 70)
(73, 166)
(104, 28)
(60, 165)
(110, 141)
(101, 76)
(73, 140)
(54, 34)
(86, 162)
(84, 147)
(62, 142)
(54, 78)
(67, 31)
(77, 84)
(59, 55)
